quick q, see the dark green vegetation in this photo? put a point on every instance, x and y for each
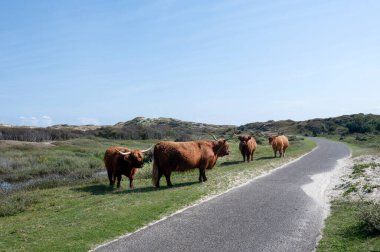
(85, 211)
(161, 128)
(342, 125)
(354, 225)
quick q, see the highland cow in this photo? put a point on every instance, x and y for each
(182, 156)
(123, 161)
(247, 147)
(279, 144)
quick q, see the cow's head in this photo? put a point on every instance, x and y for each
(244, 140)
(271, 138)
(135, 157)
(222, 147)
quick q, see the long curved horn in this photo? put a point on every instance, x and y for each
(147, 149)
(213, 136)
(124, 153)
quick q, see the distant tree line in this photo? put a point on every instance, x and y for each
(128, 132)
(37, 134)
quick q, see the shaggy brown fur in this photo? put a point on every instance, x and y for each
(118, 164)
(182, 156)
(247, 147)
(280, 144)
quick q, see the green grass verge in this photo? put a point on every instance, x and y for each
(345, 231)
(345, 228)
(77, 218)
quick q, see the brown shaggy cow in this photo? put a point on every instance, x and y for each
(122, 161)
(182, 156)
(280, 144)
(247, 147)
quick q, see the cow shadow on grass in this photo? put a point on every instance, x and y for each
(265, 158)
(231, 163)
(152, 188)
(106, 189)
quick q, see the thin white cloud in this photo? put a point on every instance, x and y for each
(46, 120)
(42, 121)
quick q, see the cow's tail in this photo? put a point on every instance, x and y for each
(155, 168)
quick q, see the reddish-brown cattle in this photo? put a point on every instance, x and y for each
(122, 161)
(280, 144)
(247, 147)
(182, 156)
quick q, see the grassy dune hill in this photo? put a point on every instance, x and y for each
(141, 128)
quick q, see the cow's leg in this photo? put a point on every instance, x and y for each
(248, 157)
(131, 175)
(110, 178)
(118, 177)
(275, 153)
(243, 157)
(158, 179)
(168, 182)
(131, 183)
(204, 175)
(252, 155)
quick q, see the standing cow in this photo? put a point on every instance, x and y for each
(182, 156)
(122, 161)
(280, 144)
(247, 147)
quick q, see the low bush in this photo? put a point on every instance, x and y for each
(369, 212)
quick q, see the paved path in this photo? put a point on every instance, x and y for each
(271, 213)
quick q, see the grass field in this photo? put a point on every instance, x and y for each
(345, 228)
(80, 215)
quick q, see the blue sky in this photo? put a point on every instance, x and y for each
(222, 62)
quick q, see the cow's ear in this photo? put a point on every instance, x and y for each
(239, 138)
(126, 157)
(249, 137)
(224, 140)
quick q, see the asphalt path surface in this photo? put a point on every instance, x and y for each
(271, 213)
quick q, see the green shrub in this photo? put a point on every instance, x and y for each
(369, 212)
